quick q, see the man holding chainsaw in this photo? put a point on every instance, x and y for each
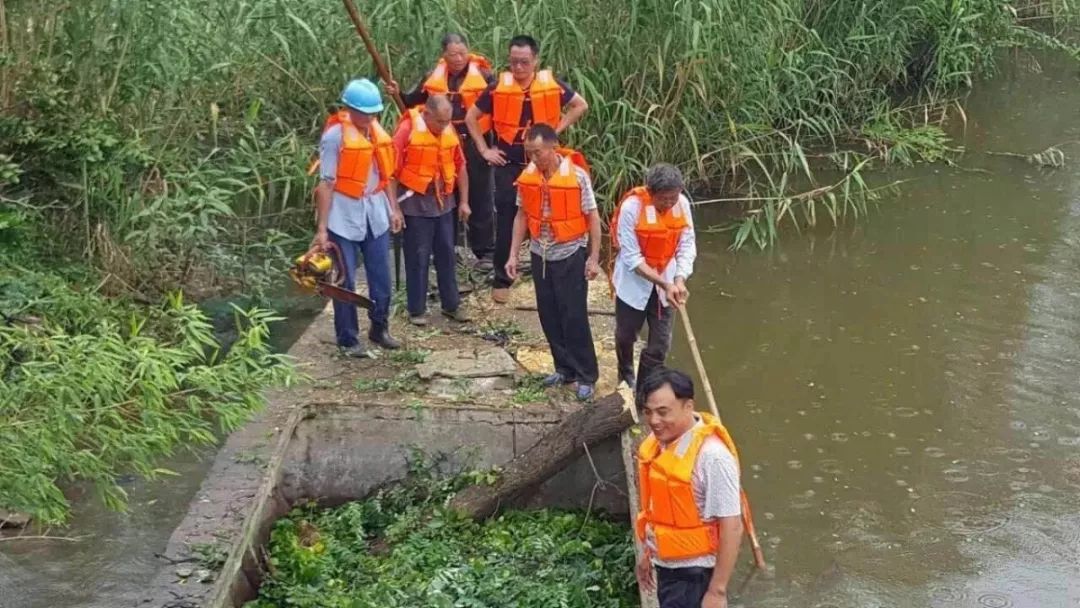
(357, 208)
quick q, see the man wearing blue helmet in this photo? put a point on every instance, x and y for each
(357, 209)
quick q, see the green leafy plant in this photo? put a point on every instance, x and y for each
(93, 388)
(194, 98)
(410, 356)
(402, 548)
(529, 389)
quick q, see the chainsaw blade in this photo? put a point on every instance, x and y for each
(344, 295)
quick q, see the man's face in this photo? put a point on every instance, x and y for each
(667, 416)
(522, 62)
(361, 120)
(542, 154)
(664, 199)
(438, 120)
(456, 56)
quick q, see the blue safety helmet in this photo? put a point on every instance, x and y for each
(363, 96)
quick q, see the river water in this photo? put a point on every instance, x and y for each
(905, 391)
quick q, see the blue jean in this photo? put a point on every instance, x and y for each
(425, 236)
(376, 252)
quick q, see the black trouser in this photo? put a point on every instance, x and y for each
(505, 210)
(628, 322)
(682, 587)
(482, 220)
(425, 236)
(562, 295)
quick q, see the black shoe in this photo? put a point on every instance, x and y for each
(381, 336)
(630, 381)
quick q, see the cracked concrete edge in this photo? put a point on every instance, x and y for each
(231, 580)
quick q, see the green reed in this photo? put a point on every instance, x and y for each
(758, 100)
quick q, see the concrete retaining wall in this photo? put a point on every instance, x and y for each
(339, 452)
(342, 452)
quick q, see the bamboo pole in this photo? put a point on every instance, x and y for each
(747, 516)
(380, 65)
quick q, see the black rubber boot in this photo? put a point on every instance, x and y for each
(380, 335)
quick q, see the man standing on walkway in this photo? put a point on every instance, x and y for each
(654, 233)
(357, 209)
(557, 209)
(690, 519)
(430, 164)
(462, 76)
(521, 97)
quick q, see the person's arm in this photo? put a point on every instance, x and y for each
(574, 107)
(397, 219)
(324, 191)
(685, 254)
(592, 212)
(631, 249)
(464, 210)
(574, 111)
(517, 237)
(731, 531)
(718, 472)
(413, 98)
(483, 106)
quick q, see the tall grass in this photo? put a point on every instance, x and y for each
(110, 105)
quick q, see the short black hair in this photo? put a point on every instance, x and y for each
(452, 38)
(523, 40)
(681, 384)
(545, 132)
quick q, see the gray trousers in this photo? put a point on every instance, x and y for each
(628, 323)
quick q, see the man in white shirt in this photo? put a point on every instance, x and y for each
(691, 534)
(654, 233)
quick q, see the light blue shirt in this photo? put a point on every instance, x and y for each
(632, 288)
(349, 217)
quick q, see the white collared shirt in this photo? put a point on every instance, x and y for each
(632, 288)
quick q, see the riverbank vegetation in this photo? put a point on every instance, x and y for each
(169, 140)
(93, 388)
(402, 548)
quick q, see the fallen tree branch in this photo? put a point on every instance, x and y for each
(68, 539)
(552, 453)
(591, 311)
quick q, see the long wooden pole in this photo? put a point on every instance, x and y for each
(380, 65)
(747, 516)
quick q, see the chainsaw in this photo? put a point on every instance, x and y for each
(322, 273)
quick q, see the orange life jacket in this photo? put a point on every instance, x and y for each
(508, 101)
(667, 498)
(566, 219)
(356, 152)
(474, 83)
(657, 233)
(428, 155)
